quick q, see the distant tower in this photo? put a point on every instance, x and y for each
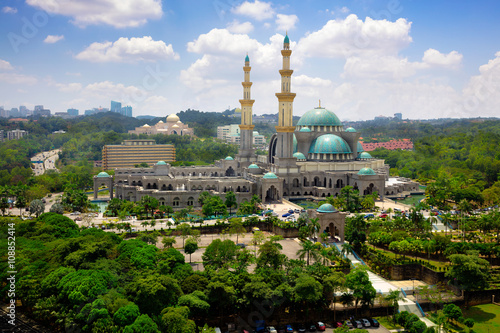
(246, 154)
(284, 162)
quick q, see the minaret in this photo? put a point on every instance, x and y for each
(246, 154)
(284, 160)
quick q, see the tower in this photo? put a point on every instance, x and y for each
(284, 162)
(246, 154)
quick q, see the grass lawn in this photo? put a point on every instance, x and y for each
(393, 255)
(486, 316)
(387, 323)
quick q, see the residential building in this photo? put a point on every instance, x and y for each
(227, 131)
(16, 134)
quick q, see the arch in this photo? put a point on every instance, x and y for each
(369, 189)
(272, 148)
(176, 202)
(330, 183)
(155, 187)
(295, 182)
(190, 201)
(324, 182)
(161, 201)
(230, 172)
(355, 187)
(164, 187)
(170, 187)
(272, 194)
(306, 183)
(339, 184)
(316, 181)
(139, 183)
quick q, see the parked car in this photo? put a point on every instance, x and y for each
(286, 215)
(365, 322)
(349, 324)
(357, 324)
(241, 245)
(289, 328)
(254, 229)
(271, 329)
(320, 326)
(369, 216)
(312, 327)
(300, 328)
(374, 322)
(383, 216)
(290, 211)
(296, 211)
(337, 324)
(281, 329)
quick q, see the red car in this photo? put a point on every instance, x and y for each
(320, 326)
(383, 216)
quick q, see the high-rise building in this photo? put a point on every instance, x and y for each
(23, 111)
(398, 116)
(1, 135)
(126, 111)
(224, 132)
(116, 107)
(133, 152)
(73, 112)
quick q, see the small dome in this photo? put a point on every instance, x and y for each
(161, 163)
(172, 118)
(247, 59)
(329, 144)
(287, 40)
(270, 175)
(175, 126)
(365, 155)
(299, 156)
(360, 147)
(350, 129)
(179, 122)
(160, 122)
(253, 166)
(229, 158)
(319, 117)
(146, 125)
(367, 172)
(305, 129)
(326, 208)
(103, 174)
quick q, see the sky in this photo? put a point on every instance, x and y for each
(360, 58)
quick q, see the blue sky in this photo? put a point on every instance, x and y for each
(362, 58)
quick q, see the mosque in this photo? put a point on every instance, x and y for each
(173, 125)
(313, 159)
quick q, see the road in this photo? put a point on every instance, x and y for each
(48, 161)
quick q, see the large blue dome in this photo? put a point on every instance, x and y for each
(366, 172)
(326, 208)
(329, 144)
(319, 117)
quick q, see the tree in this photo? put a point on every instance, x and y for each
(57, 208)
(185, 231)
(469, 272)
(220, 254)
(452, 312)
(257, 239)
(333, 284)
(37, 207)
(309, 249)
(190, 247)
(307, 289)
(230, 201)
(143, 324)
(168, 241)
(393, 298)
(175, 320)
(149, 203)
(236, 227)
(270, 255)
(126, 315)
(360, 285)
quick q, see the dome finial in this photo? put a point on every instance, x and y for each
(287, 40)
(247, 59)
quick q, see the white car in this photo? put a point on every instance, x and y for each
(365, 322)
(271, 329)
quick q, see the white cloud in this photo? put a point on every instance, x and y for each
(69, 87)
(128, 50)
(377, 66)
(286, 22)
(14, 78)
(117, 13)
(5, 65)
(351, 36)
(481, 95)
(258, 10)
(51, 39)
(240, 28)
(435, 58)
(344, 10)
(9, 10)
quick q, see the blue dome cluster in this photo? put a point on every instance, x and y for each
(319, 117)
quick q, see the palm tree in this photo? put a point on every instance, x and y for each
(393, 297)
(313, 226)
(308, 249)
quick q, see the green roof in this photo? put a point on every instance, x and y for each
(367, 172)
(360, 147)
(247, 59)
(326, 208)
(270, 175)
(305, 129)
(286, 41)
(299, 156)
(329, 144)
(103, 174)
(253, 166)
(364, 155)
(350, 129)
(319, 117)
(161, 163)
(229, 158)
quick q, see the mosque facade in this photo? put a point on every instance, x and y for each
(313, 159)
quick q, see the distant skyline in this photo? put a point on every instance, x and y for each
(361, 58)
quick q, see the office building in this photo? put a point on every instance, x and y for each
(133, 152)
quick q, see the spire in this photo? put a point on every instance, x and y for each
(320, 103)
(286, 42)
(247, 59)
